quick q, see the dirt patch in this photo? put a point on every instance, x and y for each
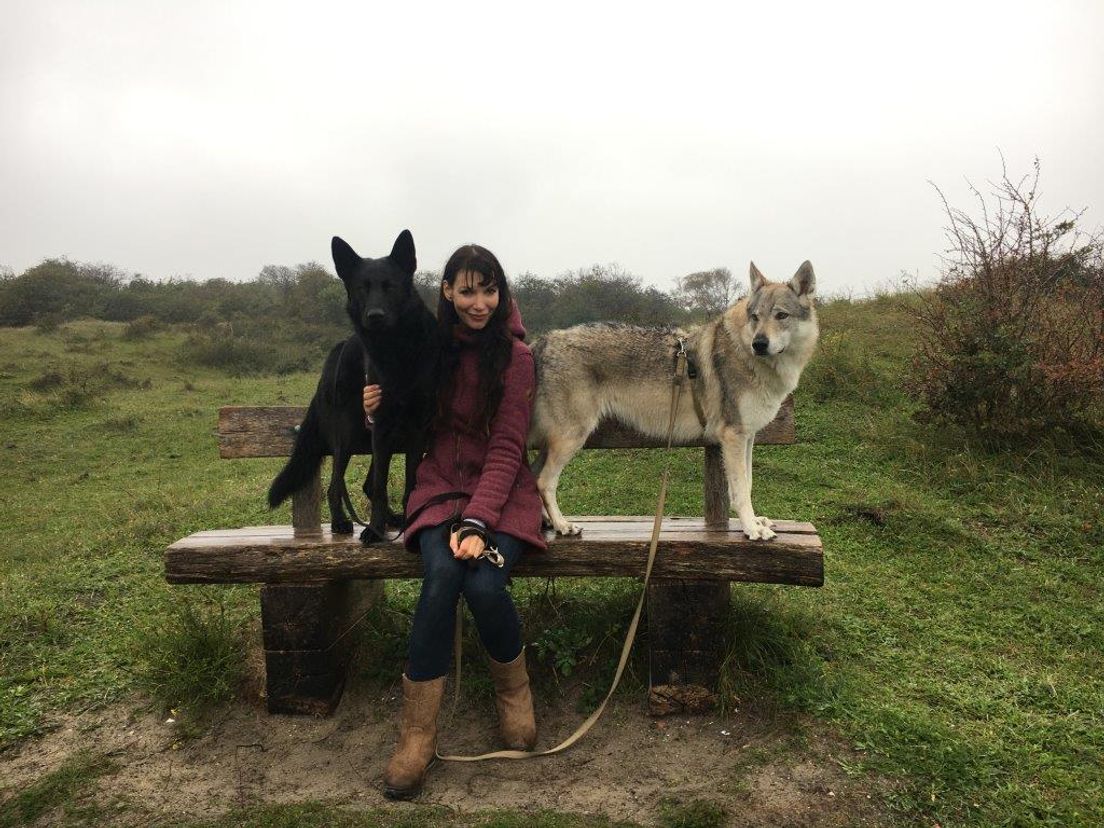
(761, 770)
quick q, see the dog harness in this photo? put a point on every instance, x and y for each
(691, 374)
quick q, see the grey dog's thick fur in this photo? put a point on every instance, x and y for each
(748, 360)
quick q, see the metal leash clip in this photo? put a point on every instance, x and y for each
(494, 556)
(490, 553)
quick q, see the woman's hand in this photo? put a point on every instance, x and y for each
(471, 547)
(372, 396)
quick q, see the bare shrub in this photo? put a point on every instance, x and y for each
(1012, 338)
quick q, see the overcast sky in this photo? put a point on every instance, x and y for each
(208, 139)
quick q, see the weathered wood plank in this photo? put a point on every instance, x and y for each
(269, 431)
(686, 551)
(296, 617)
(609, 523)
(293, 689)
(307, 642)
(686, 616)
(715, 488)
(306, 509)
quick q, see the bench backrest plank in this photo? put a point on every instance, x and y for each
(269, 431)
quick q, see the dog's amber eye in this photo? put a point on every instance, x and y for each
(781, 315)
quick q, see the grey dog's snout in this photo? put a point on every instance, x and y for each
(760, 345)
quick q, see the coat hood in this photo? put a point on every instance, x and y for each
(514, 323)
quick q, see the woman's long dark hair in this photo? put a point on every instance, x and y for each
(495, 342)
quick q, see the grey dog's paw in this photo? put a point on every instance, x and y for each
(569, 530)
(756, 531)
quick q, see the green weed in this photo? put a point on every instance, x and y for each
(194, 655)
(561, 647)
(64, 788)
(697, 813)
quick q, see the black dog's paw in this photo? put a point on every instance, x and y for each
(393, 521)
(342, 526)
(372, 536)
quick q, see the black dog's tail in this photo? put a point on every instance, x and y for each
(306, 457)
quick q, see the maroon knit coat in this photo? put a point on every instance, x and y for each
(489, 467)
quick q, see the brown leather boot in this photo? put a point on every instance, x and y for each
(417, 746)
(514, 703)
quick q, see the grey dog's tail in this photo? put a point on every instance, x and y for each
(306, 457)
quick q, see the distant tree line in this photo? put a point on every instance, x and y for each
(307, 300)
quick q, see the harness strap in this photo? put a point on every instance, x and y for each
(691, 374)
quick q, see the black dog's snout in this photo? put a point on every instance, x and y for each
(760, 345)
(375, 316)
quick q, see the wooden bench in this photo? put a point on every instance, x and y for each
(314, 584)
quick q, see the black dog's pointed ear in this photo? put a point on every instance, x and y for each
(345, 258)
(402, 253)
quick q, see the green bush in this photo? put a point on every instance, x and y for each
(73, 388)
(142, 328)
(279, 351)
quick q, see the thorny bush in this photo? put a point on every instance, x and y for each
(1012, 337)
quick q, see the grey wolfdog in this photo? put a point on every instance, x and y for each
(744, 363)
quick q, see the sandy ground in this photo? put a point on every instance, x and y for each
(762, 769)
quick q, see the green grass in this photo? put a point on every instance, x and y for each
(64, 793)
(957, 643)
(694, 814)
(193, 653)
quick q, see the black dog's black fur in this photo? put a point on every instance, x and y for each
(396, 346)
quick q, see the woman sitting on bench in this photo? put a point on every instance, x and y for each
(476, 508)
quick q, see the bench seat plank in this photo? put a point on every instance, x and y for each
(608, 547)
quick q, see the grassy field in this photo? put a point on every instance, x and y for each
(958, 643)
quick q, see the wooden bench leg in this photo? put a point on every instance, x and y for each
(308, 642)
(686, 621)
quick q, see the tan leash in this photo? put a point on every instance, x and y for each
(630, 637)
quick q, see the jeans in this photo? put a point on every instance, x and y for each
(483, 585)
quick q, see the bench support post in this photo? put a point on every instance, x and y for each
(307, 627)
(686, 621)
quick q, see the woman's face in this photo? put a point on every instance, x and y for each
(474, 302)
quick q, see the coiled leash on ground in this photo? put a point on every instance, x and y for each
(630, 637)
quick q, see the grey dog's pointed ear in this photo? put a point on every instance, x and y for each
(345, 258)
(757, 278)
(804, 281)
(402, 253)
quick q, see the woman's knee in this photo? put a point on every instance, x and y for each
(438, 564)
(484, 587)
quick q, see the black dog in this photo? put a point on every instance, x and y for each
(395, 346)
